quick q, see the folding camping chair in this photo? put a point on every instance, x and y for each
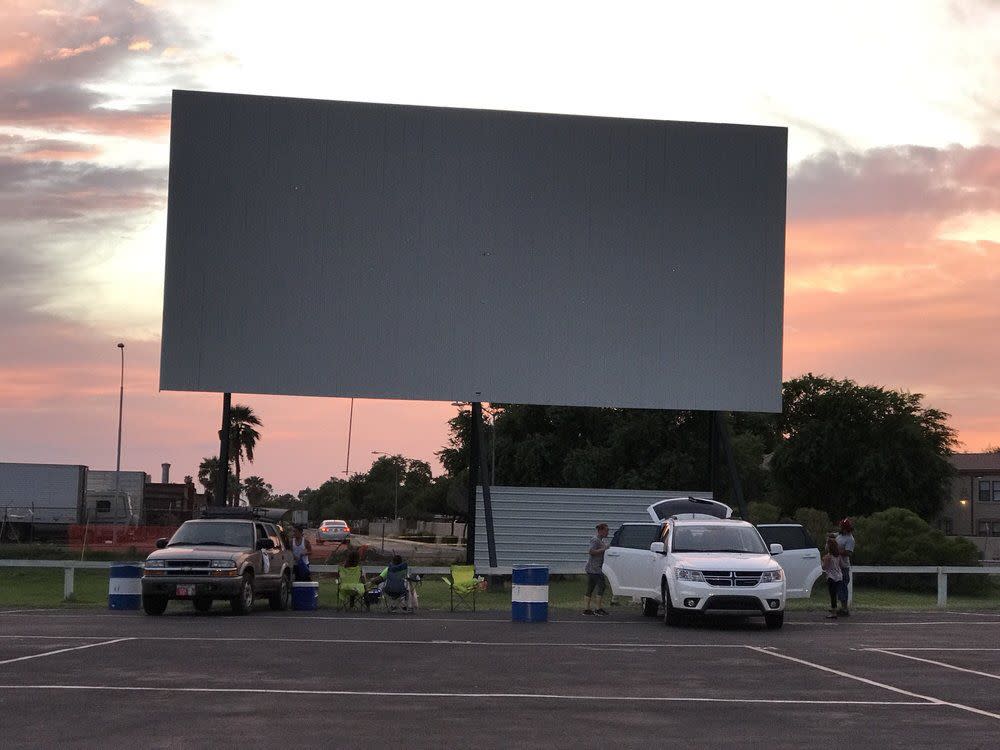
(463, 585)
(396, 588)
(350, 589)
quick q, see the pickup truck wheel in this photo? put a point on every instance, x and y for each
(650, 607)
(154, 605)
(774, 620)
(279, 600)
(670, 615)
(202, 604)
(242, 603)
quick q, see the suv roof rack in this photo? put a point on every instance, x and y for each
(244, 513)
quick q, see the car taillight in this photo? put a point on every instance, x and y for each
(347, 529)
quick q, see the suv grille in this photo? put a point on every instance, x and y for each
(188, 563)
(732, 578)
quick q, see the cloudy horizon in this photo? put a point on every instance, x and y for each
(892, 245)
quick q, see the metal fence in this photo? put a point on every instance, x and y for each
(552, 525)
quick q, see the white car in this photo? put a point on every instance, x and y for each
(709, 563)
(333, 531)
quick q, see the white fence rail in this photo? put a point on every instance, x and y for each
(942, 572)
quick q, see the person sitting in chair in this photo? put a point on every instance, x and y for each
(393, 581)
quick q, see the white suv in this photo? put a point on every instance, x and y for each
(708, 563)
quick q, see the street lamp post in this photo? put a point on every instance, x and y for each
(395, 492)
(121, 402)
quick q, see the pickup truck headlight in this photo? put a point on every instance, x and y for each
(770, 576)
(223, 564)
(155, 564)
(685, 574)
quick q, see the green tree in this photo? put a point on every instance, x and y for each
(761, 512)
(208, 472)
(257, 490)
(816, 522)
(243, 436)
(850, 450)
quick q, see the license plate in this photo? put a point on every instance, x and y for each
(185, 591)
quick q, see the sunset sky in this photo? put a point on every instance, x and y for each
(893, 241)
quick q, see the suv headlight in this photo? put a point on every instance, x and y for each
(770, 576)
(223, 564)
(155, 564)
(685, 574)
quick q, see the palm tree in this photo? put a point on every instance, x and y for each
(242, 437)
(208, 473)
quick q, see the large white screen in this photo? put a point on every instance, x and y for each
(385, 251)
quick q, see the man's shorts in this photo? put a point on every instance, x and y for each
(595, 582)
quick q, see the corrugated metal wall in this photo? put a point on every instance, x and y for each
(552, 526)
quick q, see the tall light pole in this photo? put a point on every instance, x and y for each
(395, 494)
(350, 427)
(121, 401)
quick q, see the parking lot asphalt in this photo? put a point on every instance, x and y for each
(89, 678)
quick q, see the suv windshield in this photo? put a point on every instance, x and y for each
(717, 539)
(225, 533)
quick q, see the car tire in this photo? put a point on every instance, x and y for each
(281, 598)
(154, 605)
(201, 604)
(774, 620)
(671, 616)
(242, 603)
(650, 607)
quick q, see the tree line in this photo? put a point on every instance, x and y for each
(838, 447)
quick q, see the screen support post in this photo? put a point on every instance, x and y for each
(721, 433)
(222, 475)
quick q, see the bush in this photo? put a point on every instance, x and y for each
(816, 522)
(900, 537)
(761, 512)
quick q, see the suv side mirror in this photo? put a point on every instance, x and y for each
(161, 542)
(265, 544)
(777, 549)
(658, 548)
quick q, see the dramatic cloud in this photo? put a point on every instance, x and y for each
(905, 181)
(877, 291)
(56, 62)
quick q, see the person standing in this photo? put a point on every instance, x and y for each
(845, 546)
(834, 574)
(595, 577)
(301, 549)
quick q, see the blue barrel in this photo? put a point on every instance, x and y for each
(305, 595)
(125, 586)
(530, 594)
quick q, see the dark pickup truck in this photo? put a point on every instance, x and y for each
(236, 559)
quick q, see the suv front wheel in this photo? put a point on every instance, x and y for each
(671, 616)
(774, 620)
(279, 600)
(242, 603)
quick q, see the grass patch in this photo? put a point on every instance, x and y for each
(43, 587)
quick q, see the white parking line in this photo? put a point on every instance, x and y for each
(64, 650)
(492, 696)
(884, 686)
(890, 652)
(929, 648)
(387, 641)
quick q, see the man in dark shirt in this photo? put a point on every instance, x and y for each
(595, 578)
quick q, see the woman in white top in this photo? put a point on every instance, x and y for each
(834, 574)
(301, 549)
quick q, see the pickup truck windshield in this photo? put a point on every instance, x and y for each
(214, 532)
(717, 539)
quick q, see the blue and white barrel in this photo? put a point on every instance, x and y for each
(125, 586)
(530, 594)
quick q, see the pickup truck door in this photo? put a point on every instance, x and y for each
(800, 559)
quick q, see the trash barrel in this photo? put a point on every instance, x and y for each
(305, 595)
(125, 586)
(529, 593)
